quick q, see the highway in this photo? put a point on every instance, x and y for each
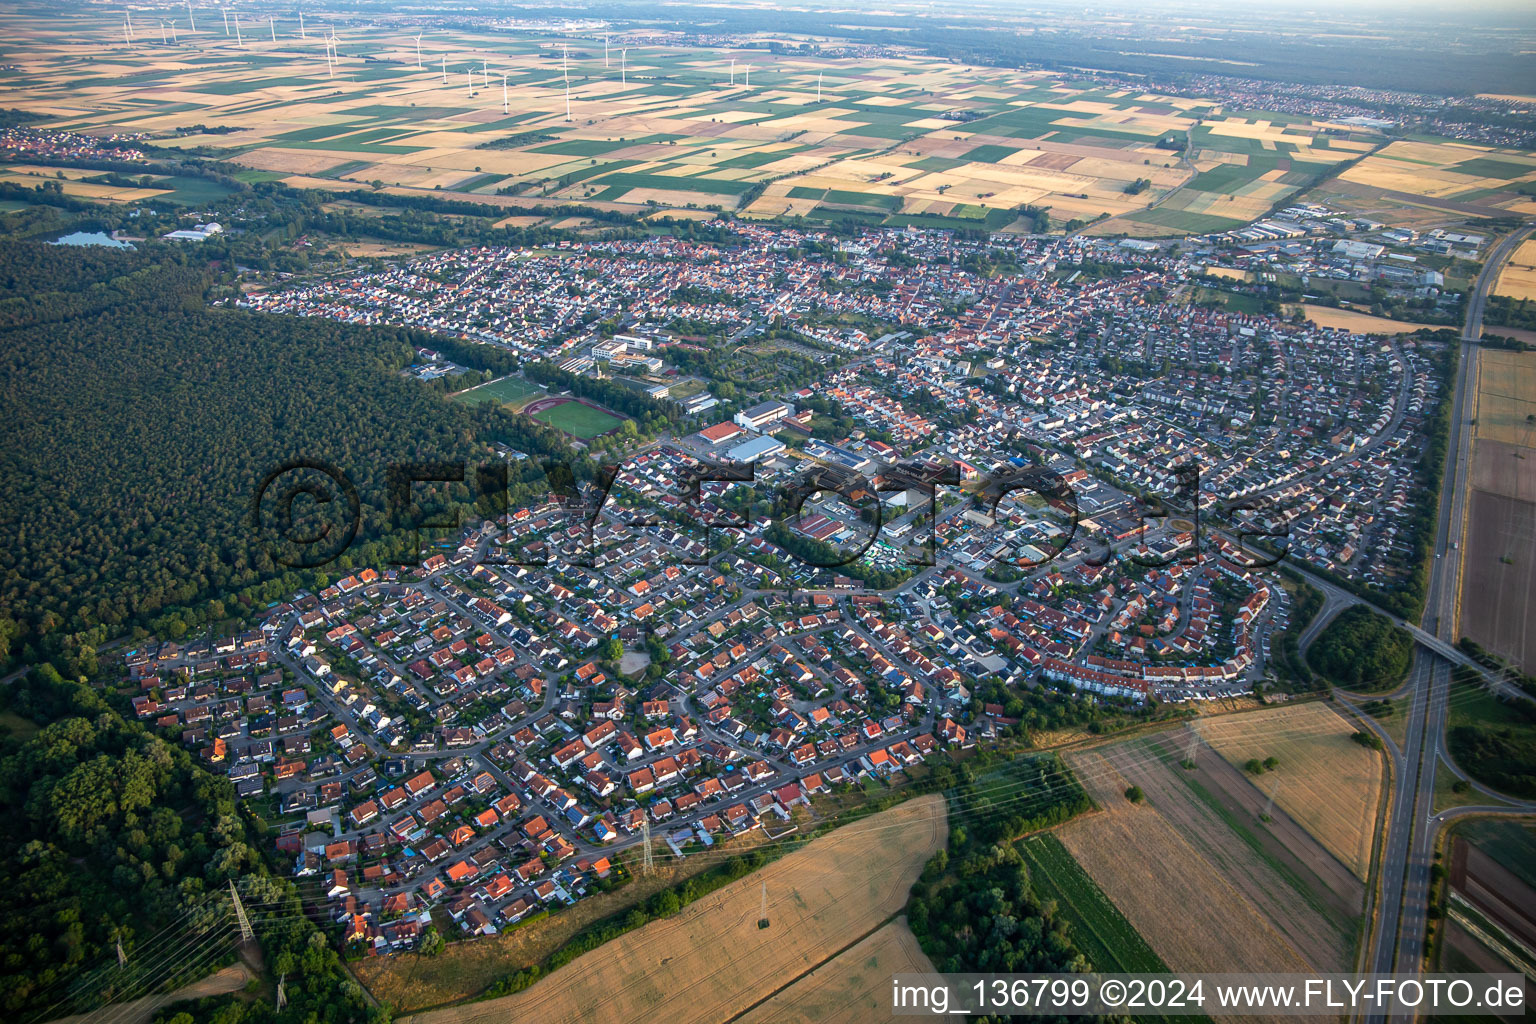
(1397, 943)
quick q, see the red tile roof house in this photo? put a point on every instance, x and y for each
(787, 797)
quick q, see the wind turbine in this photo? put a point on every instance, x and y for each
(469, 78)
(239, 39)
(302, 34)
(272, 24)
(733, 72)
(164, 41)
(190, 20)
(445, 69)
(485, 71)
(818, 86)
(329, 66)
(173, 34)
(624, 66)
(504, 108)
(746, 76)
(418, 50)
(127, 36)
(226, 20)
(565, 71)
(128, 16)
(605, 51)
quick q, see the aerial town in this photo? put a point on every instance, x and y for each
(487, 732)
(763, 513)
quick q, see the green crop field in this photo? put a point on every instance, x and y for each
(1183, 220)
(579, 420)
(1099, 929)
(989, 154)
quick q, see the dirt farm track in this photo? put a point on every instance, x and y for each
(712, 962)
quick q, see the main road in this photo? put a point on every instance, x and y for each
(1397, 944)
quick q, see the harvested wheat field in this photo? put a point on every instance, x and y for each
(1360, 323)
(1518, 278)
(1325, 780)
(712, 961)
(855, 986)
(1208, 884)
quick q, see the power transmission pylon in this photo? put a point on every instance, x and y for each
(246, 934)
(645, 833)
(282, 997)
(762, 917)
(122, 958)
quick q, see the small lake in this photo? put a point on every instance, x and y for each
(92, 238)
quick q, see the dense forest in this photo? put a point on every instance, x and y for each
(1361, 650)
(142, 421)
(115, 836)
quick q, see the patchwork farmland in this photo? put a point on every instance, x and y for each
(899, 139)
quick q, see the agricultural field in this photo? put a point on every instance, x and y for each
(712, 961)
(1359, 323)
(1445, 176)
(1493, 907)
(1247, 894)
(1510, 842)
(897, 139)
(1518, 278)
(855, 986)
(509, 391)
(1241, 168)
(1498, 582)
(1100, 931)
(1326, 781)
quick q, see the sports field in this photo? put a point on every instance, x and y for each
(575, 418)
(511, 391)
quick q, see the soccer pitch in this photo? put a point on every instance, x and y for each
(506, 390)
(578, 420)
